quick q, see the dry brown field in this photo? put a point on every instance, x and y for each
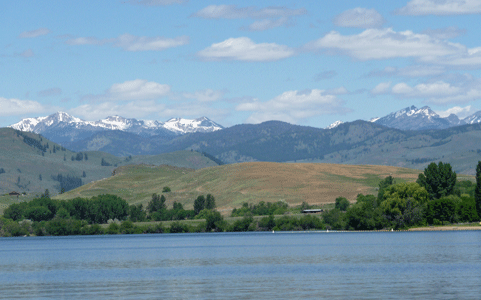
(234, 184)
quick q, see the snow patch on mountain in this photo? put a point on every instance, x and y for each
(59, 119)
(334, 125)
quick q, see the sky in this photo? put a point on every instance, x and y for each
(303, 62)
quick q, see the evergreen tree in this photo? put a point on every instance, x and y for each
(210, 202)
(157, 204)
(477, 190)
(199, 204)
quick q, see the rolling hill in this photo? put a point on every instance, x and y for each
(29, 163)
(244, 182)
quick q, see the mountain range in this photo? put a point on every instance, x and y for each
(63, 120)
(390, 140)
(413, 118)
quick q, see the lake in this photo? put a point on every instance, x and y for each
(311, 265)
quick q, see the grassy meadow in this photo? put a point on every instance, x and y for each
(317, 184)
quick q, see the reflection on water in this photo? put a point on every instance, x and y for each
(442, 265)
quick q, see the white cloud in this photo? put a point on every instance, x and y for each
(245, 49)
(137, 89)
(233, 12)
(130, 42)
(360, 18)
(267, 24)
(425, 90)
(440, 7)
(273, 16)
(293, 106)
(337, 91)
(207, 95)
(146, 109)
(382, 88)
(134, 43)
(34, 33)
(459, 89)
(468, 59)
(410, 71)
(385, 44)
(156, 2)
(87, 41)
(134, 109)
(13, 107)
(461, 112)
(445, 33)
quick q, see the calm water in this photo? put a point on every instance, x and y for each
(390, 265)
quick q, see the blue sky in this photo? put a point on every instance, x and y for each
(303, 62)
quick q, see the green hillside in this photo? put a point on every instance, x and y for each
(245, 182)
(28, 163)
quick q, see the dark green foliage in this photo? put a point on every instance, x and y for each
(177, 227)
(157, 204)
(68, 182)
(260, 209)
(38, 213)
(166, 189)
(364, 215)
(84, 174)
(464, 187)
(466, 210)
(334, 219)
(104, 163)
(137, 213)
(199, 204)
(127, 227)
(308, 222)
(10, 228)
(113, 228)
(242, 224)
(2, 170)
(107, 207)
(93, 229)
(79, 156)
(210, 202)
(213, 221)
(15, 211)
(439, 180)
(341, 203)
(79, 208)
(62, 213)
(59, 227)
(32, 142)
(477, 190)
(442, 210)
(40, 177)
(267, 223)
(382, 186)
(213, 158)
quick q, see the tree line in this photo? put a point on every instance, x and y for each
(435, 198)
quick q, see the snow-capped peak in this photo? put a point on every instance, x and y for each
(334, 125)
(63, 119)
(202, 124)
